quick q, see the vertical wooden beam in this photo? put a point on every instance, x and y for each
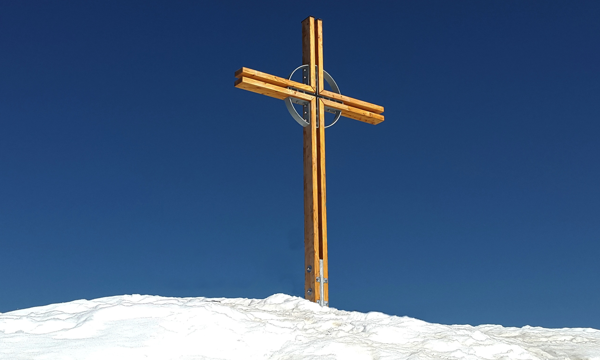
(322, 198)
(311, 209)
(319, 54)
(308, 49)
(311, 188)
(315, 205)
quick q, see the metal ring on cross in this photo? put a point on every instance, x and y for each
(290, 101)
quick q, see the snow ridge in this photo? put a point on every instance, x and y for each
(278, 327)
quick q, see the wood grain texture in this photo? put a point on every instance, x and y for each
(315, 209)
(322, 198)
(308, 49)
(312, 241)
(271, 90)
(359, 104)
(271, 79)
(311, 220)
(355, 113)
(319, 54)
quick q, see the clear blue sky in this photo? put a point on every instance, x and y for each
(130, 164)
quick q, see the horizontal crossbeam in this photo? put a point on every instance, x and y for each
(281, 88)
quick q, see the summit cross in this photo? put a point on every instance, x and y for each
(315, 100)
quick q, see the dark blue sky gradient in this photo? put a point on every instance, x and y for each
(130, 164)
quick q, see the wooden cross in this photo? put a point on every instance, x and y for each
(316, 283)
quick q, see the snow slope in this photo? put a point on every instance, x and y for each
(280, 327)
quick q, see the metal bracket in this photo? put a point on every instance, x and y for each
(322, 280)
(323, 303)
(305, 120)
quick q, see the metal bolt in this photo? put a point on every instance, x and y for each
(309, 268)
(309, 291)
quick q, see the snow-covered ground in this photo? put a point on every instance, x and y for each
(280, 327)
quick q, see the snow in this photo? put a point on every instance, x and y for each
(280, 327)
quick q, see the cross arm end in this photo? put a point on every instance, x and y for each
(272, 79)
(271, 90)
(376, 109)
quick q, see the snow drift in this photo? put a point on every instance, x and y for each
(280, 327)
